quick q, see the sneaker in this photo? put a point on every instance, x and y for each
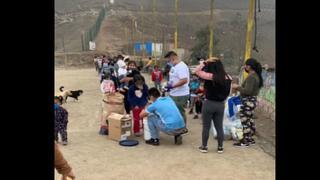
(184, 131)
(191, 111)
(203, 149)
(251, 142)
(220, 150)
(178, 139)
(241, 144)
(154, 142)
(64, 143)
(196, 117)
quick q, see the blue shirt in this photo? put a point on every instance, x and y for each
(168, 112)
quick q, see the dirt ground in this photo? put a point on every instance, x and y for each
(94, 157)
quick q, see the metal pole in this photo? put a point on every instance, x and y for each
(142, 29)
(127, 38)
(249, 34)
(176, 31)
(211, 29)
(154, 27)
(64, 50)
(132, 40)
(82, 45)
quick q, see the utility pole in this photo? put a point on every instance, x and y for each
(127, 38)
(176, 31)
(132, 35)
(249, 33)
(211, 29)
(142, 29)
(154, 27)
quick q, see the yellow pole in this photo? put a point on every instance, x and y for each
(154, 30)
(127, 38)
(142, 30)
(132, 35)
(211, 29)
(249, 34)
(176, 32)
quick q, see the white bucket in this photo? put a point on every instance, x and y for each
(146, 131)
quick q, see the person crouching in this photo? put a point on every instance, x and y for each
(163, 115)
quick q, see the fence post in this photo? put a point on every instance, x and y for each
(64, 50)
(82, 45)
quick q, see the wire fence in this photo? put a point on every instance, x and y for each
(92, 33)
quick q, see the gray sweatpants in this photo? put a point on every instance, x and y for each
(212, 111)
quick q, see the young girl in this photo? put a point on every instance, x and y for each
(138, 98)
(107, 85)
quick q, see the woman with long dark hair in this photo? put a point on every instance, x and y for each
(131, 72)
(249, 91)
(217, 87)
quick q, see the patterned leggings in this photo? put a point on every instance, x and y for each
(62, 130)
(246, 113)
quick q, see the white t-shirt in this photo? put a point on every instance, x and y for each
(100, 63)
(178, 72)
(122, 71)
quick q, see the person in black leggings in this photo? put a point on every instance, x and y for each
(217, 88)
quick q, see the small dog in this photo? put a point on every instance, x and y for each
(68, 93)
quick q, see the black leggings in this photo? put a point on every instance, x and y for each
(198, 106)
(212, 111)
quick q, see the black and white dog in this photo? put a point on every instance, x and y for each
(68, 93)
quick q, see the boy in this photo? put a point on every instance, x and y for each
(194, 86)
(199, 99)
(60, 122)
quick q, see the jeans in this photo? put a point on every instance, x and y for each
(155, 125)
(181, 102)
(157, 85)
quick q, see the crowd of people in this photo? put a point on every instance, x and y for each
(206, 90)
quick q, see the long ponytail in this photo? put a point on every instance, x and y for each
(256, 66)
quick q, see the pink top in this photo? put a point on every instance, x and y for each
(205, 75)
(202, 74)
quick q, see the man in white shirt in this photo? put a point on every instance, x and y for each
(179, 77)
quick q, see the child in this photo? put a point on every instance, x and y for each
(60, 122)
(122, 73)
(157, 77)
(199, 99)
(107, 85)
(138, 98)
(194, 85)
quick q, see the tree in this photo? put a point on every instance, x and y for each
(201, 48)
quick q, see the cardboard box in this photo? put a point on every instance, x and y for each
(119, 127)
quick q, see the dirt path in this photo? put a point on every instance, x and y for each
(94, 157)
